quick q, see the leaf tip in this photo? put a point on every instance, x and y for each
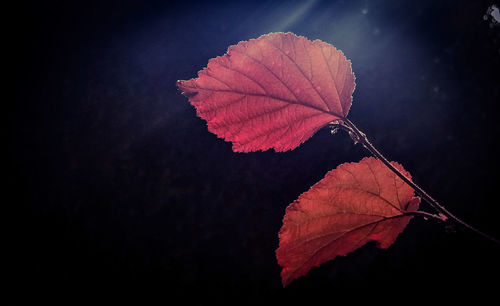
(186, 90)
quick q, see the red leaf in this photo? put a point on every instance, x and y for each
(353, 205)
(275, 91)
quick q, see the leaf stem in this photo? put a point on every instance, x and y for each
(425, 215)
(360, 137)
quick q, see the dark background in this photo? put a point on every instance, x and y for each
(117, 192)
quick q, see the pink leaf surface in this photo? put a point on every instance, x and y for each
(352, 205)
(274, 92)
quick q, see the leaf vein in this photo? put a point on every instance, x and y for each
(302, 72)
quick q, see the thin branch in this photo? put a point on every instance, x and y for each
(359, 137)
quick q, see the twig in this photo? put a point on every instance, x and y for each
(359, 137)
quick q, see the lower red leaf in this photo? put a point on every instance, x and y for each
(353, 205)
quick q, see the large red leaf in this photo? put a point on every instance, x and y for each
(353, 205)
(275, 91)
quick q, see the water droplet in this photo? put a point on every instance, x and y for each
(495, 13)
